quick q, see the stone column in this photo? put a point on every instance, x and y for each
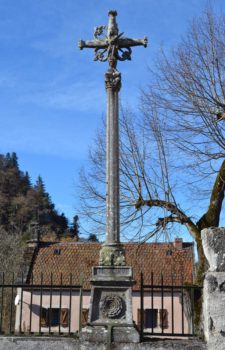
(213, 240)
(112, 253)
(112, 281)
(112, 84)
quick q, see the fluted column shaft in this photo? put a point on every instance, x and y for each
(113, 84)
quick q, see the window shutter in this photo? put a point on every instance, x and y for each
(84, 317)
(139, 318)
(163, 316)
(44, 317)
(64, 317)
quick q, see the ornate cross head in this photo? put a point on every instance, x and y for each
(110, 45)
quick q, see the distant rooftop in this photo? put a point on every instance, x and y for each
(77, 258)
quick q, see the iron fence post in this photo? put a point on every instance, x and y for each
(81, 302)
(142, 309)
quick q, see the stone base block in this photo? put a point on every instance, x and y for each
(111, 296)
(214, 310)
(109, 334)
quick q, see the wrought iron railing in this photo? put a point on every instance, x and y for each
(39, 307)
(46, 305)
(168, 310)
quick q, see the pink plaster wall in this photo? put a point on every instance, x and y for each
(75, 301)
(167, 304)
(65, 303)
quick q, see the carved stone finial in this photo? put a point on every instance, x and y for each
(109, 44)
(145, 41)
(112, 13)
(113, 29)
(99, 31)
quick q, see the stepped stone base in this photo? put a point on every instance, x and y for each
(110, 314)
(101, 334)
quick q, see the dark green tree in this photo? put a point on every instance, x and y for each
(92, 238)
(22, 204)
(74, 229)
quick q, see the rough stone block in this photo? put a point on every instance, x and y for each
(214, 310)
(60, 343)
(98, 334)
(213, 241)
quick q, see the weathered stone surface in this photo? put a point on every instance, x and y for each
(213, 240)
(156, 345)
(45, 343)
(213, 310)
(102, 272)
(118, 335)
(38, 343)
(111, 296)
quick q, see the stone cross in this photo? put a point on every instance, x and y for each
(110, 45)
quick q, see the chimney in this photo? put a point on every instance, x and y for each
(33, 242)
(29, 252)
(178, 243)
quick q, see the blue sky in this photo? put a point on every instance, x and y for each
(52, 94)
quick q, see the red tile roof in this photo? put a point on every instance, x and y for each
(77, 258)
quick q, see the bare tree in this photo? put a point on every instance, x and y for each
(11, 251)
(189, 83)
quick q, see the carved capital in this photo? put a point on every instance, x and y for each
(113, 80)
(112, 256)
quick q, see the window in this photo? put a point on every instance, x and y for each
(57, 251)
(53, 317)
(154, 318)
(150, 318)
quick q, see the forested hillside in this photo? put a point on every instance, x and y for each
(23, 205)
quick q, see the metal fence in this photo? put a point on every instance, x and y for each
(39, 308)
(168, 310)
(46, 305)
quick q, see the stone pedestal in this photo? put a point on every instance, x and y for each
(213, 240)
(110, 313)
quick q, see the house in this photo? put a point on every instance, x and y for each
(48, 303)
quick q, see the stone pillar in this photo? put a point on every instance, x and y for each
(113, 84)
(213, 240)
(112, 252)
(111, 293)
(112, 281)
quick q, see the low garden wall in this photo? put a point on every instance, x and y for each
(47, 343)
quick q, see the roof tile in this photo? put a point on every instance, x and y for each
(77, 258)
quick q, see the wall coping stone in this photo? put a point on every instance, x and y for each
(63, 343)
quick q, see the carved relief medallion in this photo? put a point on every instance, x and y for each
(112, 306)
